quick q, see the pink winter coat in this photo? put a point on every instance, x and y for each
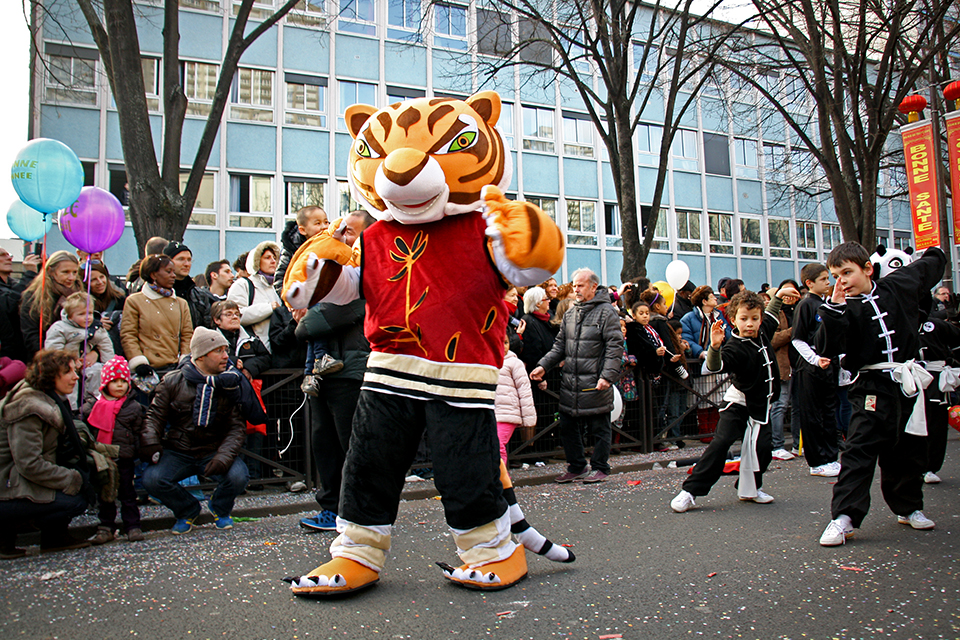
(514, 397)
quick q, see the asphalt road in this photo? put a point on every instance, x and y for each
(727, 570)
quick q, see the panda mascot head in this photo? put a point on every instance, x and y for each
(887, 260)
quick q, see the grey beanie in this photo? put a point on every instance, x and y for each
(204, 341)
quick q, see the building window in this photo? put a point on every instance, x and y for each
(721, 232)
(751, 244)
(505, 124)
(684, 150)
(358, 16)
(71, 74)
(649, 137)
(303, 192)
(345, 201)
(538, 129)
(648, 66)
(611, 224)
(688, 231)
(205, 207)
(201, 5)
(774, 162)
(716, 154)
(902, 240)
(306, 100)
(661, 239)
(581, 222)
(577, 135)
(151, 82)
(493, 32)
(831, 237)
(199, 85)
(354, 93)
(401, 94)
(308, 13)
(535, 42)
(778, 236)
(450, 26)
(403, 20)
(251, 201)
(251, 95)
(745, 157)
(547, 205)
(807, 240)
(261, 10)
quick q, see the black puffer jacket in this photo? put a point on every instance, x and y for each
(590, 344)
(290, 241)
(342, 328)
(198, 299)
(126, 429)
(173, 404)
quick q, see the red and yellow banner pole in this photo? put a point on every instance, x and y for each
(921, 166)
(952, 92)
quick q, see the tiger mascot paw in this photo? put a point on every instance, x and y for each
(299, 292)
(489, 577)
(337, 577)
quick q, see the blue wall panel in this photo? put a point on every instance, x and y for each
(713, 114)
(538, 90)
(614, 265)
(79, 129)
(515, 175)
(306, 50)
(149, 28)
(263, 50)
(541, 174)
(583, 258)
(205, 246)
(744, 119)
(780, 270)
(114, 149)
(753, 271)
(342, 143)
(251, 146)
(749, 198)
(654, 109)
(580, 178)
(900, 215)
(501, 82)
(404, 64)
(723, 267)
(609, 189)
(306, 151)
(569, 96)
(449, 71)
(646, 183)
(238, 242)
(689, 118)
(686, 189)
(65, 24)
(200, 36)
(358, 57)
(719, 193)
(190, 140)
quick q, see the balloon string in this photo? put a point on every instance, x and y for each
(86, 334)
(43, 281)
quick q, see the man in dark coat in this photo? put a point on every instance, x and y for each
(590, 343)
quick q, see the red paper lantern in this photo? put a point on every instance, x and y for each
(952, 92)
(953, 416)
(913, 104)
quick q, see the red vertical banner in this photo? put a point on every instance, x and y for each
(953, 144)
(921, 165)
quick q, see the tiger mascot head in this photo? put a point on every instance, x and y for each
(420, 160)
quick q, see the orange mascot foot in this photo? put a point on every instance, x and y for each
(490, 577)
(339, 576)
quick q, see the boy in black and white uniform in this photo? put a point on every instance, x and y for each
(748, 357)
(815, 378)
(876, 326)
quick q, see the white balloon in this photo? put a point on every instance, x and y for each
(677, 274)
(617, 405)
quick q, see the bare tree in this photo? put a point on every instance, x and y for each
(843, 68)
(620, 57)
(157, 207)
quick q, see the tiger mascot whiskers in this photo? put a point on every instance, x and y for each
(431, 172)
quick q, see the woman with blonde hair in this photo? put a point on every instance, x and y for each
(40, 304)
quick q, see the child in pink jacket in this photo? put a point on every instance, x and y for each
(514, 399)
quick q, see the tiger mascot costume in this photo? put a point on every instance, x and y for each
(425, 169)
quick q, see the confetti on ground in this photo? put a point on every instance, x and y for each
(609, 636)
(270, 544)
(245, 519)
(505, 613)
(584, 512)
(566, 544)
(633, 483)
(851, 569)
(710, 575)
(52, 575)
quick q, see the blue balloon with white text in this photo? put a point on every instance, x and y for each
(47, 175)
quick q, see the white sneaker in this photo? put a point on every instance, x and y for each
(829, 470)
(836, 533)
(931, 478)
(916, 520)
(682, 502)
(796, 451)
(762, 498)
(782, 454)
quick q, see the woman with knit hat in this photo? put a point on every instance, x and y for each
(40, 303)
(255, 294)
(117, 418)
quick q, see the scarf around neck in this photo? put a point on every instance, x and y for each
(226, 384)
(269, 278)
(166, 293)
(103, 417)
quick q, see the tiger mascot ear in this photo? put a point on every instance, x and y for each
(357, 115)
(487, 105)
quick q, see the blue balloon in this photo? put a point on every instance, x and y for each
(47, 175)
(26, 223)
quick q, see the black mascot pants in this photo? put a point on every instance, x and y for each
(816, 413)
(876, 435)
(466, 460)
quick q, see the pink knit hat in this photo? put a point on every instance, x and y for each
(116, 368)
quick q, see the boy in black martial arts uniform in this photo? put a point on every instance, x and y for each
(876, 325)
(752, 364)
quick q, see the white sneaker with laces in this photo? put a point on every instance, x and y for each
(836, 533)
(762, 498)
(782, 454)
(829, 470)
(916, 520)
(931, 478)
(682, 502)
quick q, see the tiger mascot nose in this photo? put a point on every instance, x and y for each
(409, 177)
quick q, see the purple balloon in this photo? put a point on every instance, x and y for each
(94, 222)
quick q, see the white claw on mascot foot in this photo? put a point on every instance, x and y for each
(492, 578)
(296, 296)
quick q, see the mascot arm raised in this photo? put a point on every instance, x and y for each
(527, 246)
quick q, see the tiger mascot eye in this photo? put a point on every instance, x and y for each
(430, 172)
